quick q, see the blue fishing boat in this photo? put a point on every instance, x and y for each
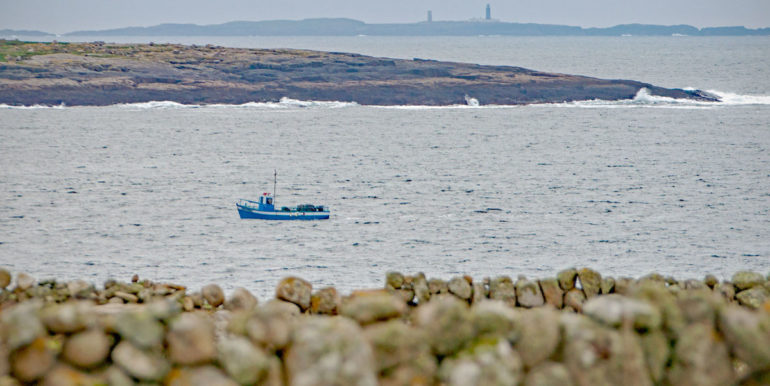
(264, 209)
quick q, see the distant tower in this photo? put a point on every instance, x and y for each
(489, 13)
(430, 16)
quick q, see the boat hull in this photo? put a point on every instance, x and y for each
(250, 213)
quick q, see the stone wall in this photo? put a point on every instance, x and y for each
(577, 328)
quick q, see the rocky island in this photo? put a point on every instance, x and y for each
(103, 74)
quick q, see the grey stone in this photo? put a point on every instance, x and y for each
(567, 278)
(325, 301)
(87, 349)
(608, 285)
(700, 358)
(198, 376)
(744, 280)
(493, 319)
(245, 363)
(548, 374)
(213, 295)
(574, 299)
(591, 282)
(748, 336)
(615, 310)
(437, 286)
(421, 290)
(24, 281)
(394, 280)
(726, 290)
(67, 318)
(22, 325)
(271, 324)
(656, 353)
(528, 294)
(144, 365)
(191, 340)
(33, 361)
(552, 293)
(710, 281)
(140, 327)
(623, 285)
(329, 351)
(370, 306)
(295, 290)
(487, 364)
(241, 300)
(754, 297)
(396, 345)
(460, 287)
(80, 288)
(539, 335)
(502, 288)
(480, 293)
(446, 323)
(5, 278)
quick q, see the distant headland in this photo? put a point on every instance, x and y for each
(350, 27)
(103, 74)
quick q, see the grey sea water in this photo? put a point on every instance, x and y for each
(627, 188)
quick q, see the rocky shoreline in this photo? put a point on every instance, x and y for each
(104, 74)
(577, 328)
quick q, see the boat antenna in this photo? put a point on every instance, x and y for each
(275, 182)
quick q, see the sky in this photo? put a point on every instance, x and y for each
(61, 16)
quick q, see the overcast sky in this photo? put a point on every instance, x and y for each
(60, 16)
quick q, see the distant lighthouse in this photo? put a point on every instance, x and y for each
(489, 13)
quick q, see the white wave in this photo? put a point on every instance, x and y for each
(157, 105)
(643, 98)
(470, 101)
(33, 107)
(283, 103)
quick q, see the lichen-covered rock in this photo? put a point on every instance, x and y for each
(608, 285)
(421, 289)
(495, 364)
(502, 288)
(539, 335)
(614, 310)
(22, 325)
(591, 281)
(325, 301)
(494, 319)
(623, 285)
(269, 326)
(140, 327)
(63, 375)
(329, 351)
(460, 287)
(80, 289)
(245, 363)
(698, 306)
(753, 297)
(394, 280)
(700, 358)
(748, 336)
(446, 323)
(33, 361)
(710, 281)
(5, 278)
(198, 376)
(87, 349)
(146, 365)
(599, 356)
(370, 306)
(295, 290)
(402, 354)
(574, 299)
(528, 294)
(548, 374)
(552, 293)
(743, 280)
(191, 340)
(655, 293)
(241, 300)
(213, 294)
(656, 353)
(567, 278)
(437, 286)
(726, 290)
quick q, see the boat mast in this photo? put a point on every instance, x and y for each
(275, 182)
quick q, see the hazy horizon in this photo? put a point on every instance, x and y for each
(56, 16)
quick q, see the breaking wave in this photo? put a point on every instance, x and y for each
(282, 104)
(33, 107)
(643, 98)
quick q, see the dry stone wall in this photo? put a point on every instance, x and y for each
(577, 328)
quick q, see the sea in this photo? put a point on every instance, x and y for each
(627, 188)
